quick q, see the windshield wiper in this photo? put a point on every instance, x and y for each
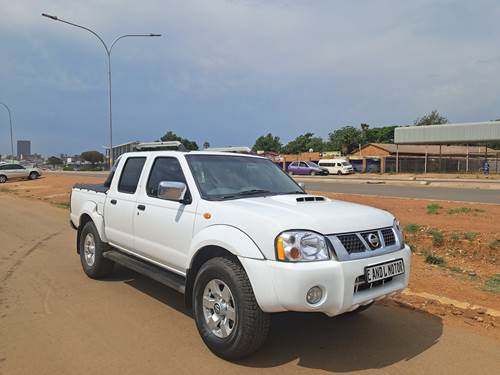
(246, 193)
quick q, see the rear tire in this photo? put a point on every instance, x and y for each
(3, 179)
(228, 318)
(339, 173)
(91, 249)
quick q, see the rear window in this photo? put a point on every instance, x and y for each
(130, 175)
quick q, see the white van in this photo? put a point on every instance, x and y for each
(336, 166)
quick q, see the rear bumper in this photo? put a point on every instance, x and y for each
(283, 286)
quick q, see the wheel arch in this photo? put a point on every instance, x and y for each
(89, 213)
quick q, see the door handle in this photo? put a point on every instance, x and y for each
(141, 207)
(113, 201)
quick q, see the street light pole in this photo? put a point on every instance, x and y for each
(108, 54)
(11, 136)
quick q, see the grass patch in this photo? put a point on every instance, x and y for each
(437, 237)
(456, 269)
(436, 260)
(433, 208)
(492, 285)
(464, 210)
(471, 236)
(65, 206)
(413, 228)
(455, 237)
(6, 190)
(495, 244)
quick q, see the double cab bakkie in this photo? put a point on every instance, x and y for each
(240, 238)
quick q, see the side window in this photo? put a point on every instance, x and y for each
(3, 167)
(294, 164)
(130, 175)
(163, 169)
(339, 165)
(111, 174)
(302, 164)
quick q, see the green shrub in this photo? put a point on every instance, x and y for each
(455, 236)
(413, 228)
(434, 259)
(433, 208)
(495, 244)
(492, 284)
(456, 269)
(471, 236)
(437, 237)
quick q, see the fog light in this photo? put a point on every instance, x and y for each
(314, 295)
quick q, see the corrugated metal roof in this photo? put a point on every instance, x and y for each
(472, 132)
(431, 149)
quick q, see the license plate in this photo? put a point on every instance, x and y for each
(384, 270)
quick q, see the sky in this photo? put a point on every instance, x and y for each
(228, 71)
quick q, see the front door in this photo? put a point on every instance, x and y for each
(163, 228)
(121, 203)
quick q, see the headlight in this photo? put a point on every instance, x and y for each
(301, 246)
(399, 231)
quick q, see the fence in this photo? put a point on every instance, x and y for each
(414, 164)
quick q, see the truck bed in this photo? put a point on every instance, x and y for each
(98, 188)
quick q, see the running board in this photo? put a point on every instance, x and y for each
(159, 274)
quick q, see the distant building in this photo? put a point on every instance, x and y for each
(23, 149)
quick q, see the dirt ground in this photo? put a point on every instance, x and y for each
(468, 248)
(56, 321)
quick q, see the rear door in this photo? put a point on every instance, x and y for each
(163, 228)
(16, 171)
(121, 202)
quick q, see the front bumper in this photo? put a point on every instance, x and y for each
(280, 286)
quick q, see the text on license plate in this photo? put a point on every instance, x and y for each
(384, 270)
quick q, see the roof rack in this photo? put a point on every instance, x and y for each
(164, 145)
(237, 149)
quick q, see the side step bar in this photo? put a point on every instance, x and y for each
(159, 274)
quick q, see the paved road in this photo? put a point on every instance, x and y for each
(56, 321)
(425, 192)
(389, 190)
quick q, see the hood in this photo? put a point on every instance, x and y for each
(263, 218)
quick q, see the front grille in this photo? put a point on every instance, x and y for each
(352, 243)
(389, 238)
(367, 236)
(360, 284)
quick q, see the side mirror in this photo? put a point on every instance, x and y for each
(172, 190)
(302, 185)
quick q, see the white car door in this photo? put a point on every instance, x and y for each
(163, 228)
(121, 202)
(16, 171)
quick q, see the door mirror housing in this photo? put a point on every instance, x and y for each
(172, 191)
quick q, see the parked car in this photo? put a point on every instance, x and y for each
(10, 171)
(306, 168)
(336, 166)
(239, 238)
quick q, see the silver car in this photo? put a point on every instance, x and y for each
(13, 171)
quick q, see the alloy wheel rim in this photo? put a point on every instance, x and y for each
(89, 249)
(219, 308)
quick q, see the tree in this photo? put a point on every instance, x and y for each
(345, 139)
(92, 157)
(384, 134)
(304, 143)
(54, 161)
(171, 136)
(206, 145)
(433, 118)
(267, 143)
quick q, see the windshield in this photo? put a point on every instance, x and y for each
(221, 177)
(311, 164)
(346, 164)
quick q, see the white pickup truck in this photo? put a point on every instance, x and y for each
(239, 238)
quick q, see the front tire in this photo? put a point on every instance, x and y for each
(91, 249)
(3, 179)
(33, 176)
(228, 318)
